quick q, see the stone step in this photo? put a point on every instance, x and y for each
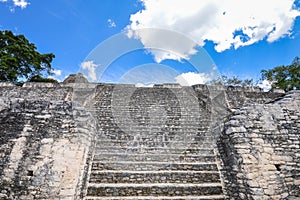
(151, 166)
(172, 136)
(182, 117)
(206, 197)
(190, 143)
(153, 157)
(158, 189)
(175, 113)
(136, 151)
(145, 133)
(154, 177)
(107, 118)
(154, 150)
(171, 145)
(155, 128)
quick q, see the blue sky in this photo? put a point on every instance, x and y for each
(241, 39)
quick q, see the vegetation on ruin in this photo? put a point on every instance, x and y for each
(233, 81)
(286, 77)
(39, 78)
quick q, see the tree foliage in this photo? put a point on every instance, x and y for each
(19, 59)
(284, 77)
(38, 78)
(233, 81)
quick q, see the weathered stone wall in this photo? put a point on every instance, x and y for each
(44, 144)
(260, 150)
(38, 91)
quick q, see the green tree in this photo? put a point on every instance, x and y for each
(233, 81)
(38, 78)
(19, 58)
(284, 77)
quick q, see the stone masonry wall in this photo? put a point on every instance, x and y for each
(260, 150)
(44, 144)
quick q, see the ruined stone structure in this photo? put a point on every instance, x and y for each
(104, 141)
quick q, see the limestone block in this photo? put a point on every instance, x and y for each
(249, 159)
(268, 167)
(41, 85)
(268, 150)
(253, 175)
(257, 142)
(231, 130)
(282, 158)
(6, 84)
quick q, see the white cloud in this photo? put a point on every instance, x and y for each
(55, 78)
(191, 78)
(111, 23)
(231, 23)
(90, 66)
(57, 72)
(56, 75)
(143, 85)
(18, 3)
(265, 85)
(21, 3)
(163, 44)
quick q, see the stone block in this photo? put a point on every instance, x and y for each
(6, 84)
(249, 159)
(268, 167)
(240, 129)
(253, 175)
(268, 150)
(258, 141)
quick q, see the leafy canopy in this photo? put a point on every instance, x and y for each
(284, 77)
(233, 81)
(19, 58)
(38, 78)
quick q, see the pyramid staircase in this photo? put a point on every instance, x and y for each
(152, 144)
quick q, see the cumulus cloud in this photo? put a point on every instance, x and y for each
(265, 85)
(191, 78)
(111, 23)
(231, 23)
(57, 72)
(90, 66)
(18, 3)
(21, 3)
(165, 44)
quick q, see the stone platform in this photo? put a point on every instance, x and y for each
(110, 141)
